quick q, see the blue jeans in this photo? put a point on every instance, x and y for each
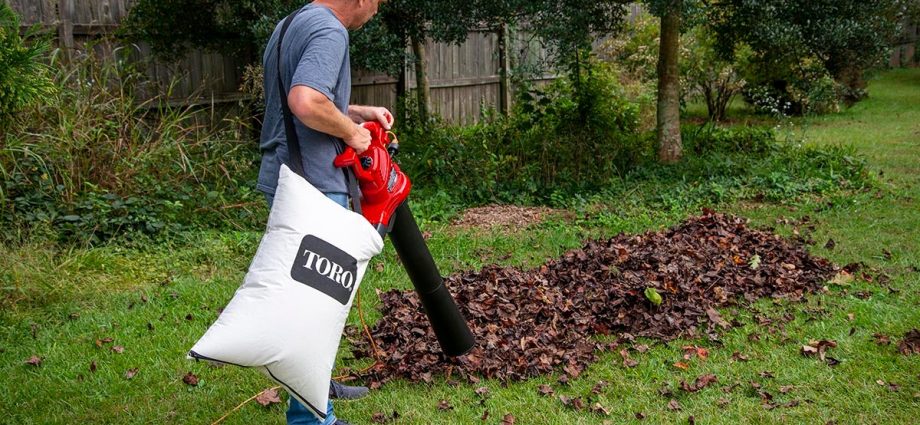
(297, 413)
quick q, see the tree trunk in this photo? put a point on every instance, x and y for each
(670, 147)
(423, 91)
(504, 70)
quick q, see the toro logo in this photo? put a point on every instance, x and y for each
(323, 267)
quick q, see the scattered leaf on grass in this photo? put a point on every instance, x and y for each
(508, 419)
(92, 366)
(600, 409)
(738, 357)
(700, 383)
(722, 402)
(881, 339)
(34, 361)
(766, 374)
(190, 379)
(910, 344)
(786, 388)
(843, 278)
(830, 244)
(545, 390)
(485, 415)
(130, 373)
(444, 405)
(818, 347)
(268, 396)
(599, 387)
(673, 405)
(893, 387)
(118, 349)
(642, 348)
(640, 416)
(627, 361)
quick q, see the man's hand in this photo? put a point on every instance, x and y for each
(360, 139)
(360, 114)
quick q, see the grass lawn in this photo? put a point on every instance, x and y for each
(63, 304)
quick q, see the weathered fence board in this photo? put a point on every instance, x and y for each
(464, 78)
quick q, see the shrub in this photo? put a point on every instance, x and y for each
(557, 138)
(93, 162)
(24, 77)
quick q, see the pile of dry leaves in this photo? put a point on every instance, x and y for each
(531, 322)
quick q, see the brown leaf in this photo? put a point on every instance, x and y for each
(673, 405)
(640, 416)
(786, 388)
(600, 409)
(92, 366)
(485, 415)
(681, 365)
(508, 419)
(130, 373)
(722, 402)
(700, 383)
(444, 405)
(716, 318)
(190, 379)
(599, 387)
(379, 267)
(545, 390)
(118, 349)
(268, 396)
(738, 357)
(642, 348)
(910, 344)
(34, 361)
(881, 339)
(482, 391)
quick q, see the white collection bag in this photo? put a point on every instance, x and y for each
(287, 317)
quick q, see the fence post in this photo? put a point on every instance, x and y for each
(504, 70)
(65, 27)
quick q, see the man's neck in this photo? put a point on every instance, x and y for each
(337, 9)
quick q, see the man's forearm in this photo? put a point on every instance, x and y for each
(358, 113)
(319, 113)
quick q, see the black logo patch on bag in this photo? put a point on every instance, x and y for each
(326, 268)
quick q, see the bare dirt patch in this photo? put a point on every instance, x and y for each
(505, 217)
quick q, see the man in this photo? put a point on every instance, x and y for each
(316, 72)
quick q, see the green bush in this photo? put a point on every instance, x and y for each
(24, 77)
(557, 138)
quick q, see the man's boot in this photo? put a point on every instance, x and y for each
(346, 392)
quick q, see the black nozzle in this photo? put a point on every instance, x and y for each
(393, 148)
(448, 323)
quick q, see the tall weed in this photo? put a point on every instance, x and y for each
(94, 160)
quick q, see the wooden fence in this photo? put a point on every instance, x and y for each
(463, 78)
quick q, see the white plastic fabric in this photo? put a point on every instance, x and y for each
(287, 317)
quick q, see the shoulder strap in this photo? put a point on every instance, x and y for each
(295, 158)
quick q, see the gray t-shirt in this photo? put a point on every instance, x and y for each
(314, 54)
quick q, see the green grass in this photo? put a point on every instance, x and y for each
(56, 303)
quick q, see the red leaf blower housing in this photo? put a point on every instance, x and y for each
(384, 193)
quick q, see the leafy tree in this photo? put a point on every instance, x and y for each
(788, 37)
